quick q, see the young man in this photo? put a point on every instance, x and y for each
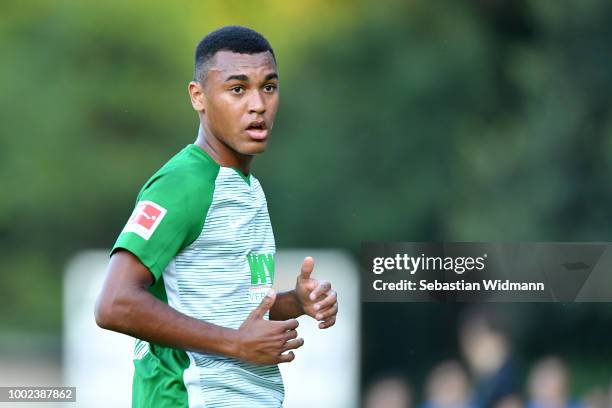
(190, 275)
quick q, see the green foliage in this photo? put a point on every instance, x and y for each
(442, 123)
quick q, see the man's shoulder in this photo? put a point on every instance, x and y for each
(185, 173)
(190, 161)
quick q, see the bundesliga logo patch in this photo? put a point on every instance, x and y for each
(144, 220)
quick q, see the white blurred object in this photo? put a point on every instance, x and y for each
(97, 362)
(324, 374)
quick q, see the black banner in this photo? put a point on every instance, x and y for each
(486, 272)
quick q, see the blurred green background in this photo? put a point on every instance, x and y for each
(474, 120)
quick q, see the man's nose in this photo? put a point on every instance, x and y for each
(256, 103)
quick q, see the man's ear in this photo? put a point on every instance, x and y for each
(196, 93)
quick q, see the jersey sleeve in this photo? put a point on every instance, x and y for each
(169, 215)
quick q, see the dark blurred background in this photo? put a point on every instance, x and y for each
(453, 120)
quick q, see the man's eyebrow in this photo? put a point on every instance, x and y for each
(240, 77)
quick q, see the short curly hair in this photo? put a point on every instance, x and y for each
(233, 38)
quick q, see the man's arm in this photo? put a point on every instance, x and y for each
(126, 306)
(287, 306)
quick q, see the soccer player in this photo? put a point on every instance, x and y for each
(191, 272)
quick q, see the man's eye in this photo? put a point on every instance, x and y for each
(269, 88)
(237, 90)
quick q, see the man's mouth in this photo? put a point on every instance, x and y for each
(257, 130)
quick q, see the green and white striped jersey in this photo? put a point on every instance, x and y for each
(204, 232)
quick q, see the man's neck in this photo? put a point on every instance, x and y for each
(221, 153)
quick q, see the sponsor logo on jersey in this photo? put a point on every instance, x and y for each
(145, 219)
(262, 275)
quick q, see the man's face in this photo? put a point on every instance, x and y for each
(241, 99)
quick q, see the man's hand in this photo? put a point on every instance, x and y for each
(261, 341)
(317, 298)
